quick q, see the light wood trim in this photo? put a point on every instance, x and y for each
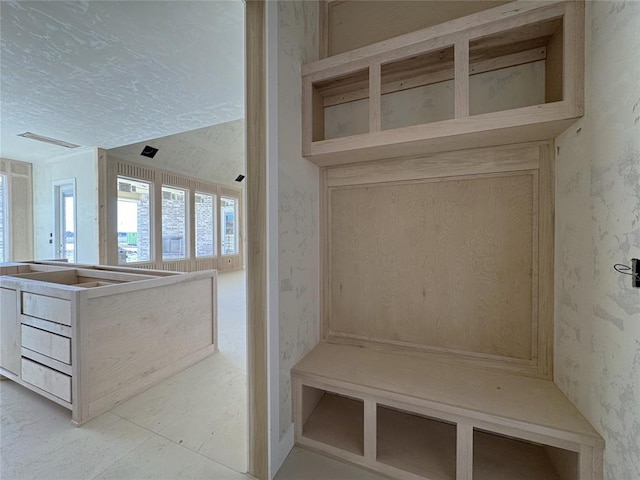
(48, 308)
(103, 198)
(375, 100)
(476, 67)
(325, 255)
(46, 325)
(546, 235)
(308, 110)
(47, 361)
(468, 420)
(390, 18)
(33, 388)
(527, 124)
(19, 212)
(79, 358)
(461, 79)
(586, 467)
(256, 239)
(477, 25)
(46, 379)
(323, 28)
(529, 404)
(46, 343)
(509, 158)
(370, 429)
(464, 456)
(573, 56)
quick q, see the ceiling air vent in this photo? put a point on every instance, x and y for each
(52, 141)
(148, 151)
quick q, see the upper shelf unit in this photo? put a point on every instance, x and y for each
(510, 74)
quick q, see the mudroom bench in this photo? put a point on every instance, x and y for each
(422, 417)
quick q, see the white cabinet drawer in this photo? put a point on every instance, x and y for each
(49, 344)
(49, 380)
(54, 309)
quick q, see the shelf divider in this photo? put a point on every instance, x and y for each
(461, 78)
(464, 452)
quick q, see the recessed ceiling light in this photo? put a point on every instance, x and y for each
(52, 141)
(148, 151)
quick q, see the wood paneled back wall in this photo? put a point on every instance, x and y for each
(451, 253)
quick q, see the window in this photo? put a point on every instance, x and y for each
(174, 223)
(229, 212)
(4, 221)
(205, 210)
(134, 221)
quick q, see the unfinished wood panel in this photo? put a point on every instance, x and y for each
(49, 308)
(440, 265)
(546, 236)
(464, 458)
(49, 380)
(387, 19)
(256, 135)
(416, 444)
(47, 326)
(502, 458)
(510, 158)
(553, 85)
(128, 332)
(508, 44)
(337, 421)
(49, 362)
(501, 399)
(49, 344)
(461, 79)
(21, 208)
(9, 331)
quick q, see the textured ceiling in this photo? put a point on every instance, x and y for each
(107, 74)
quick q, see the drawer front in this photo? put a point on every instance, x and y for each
(49, 344)
(49, 380)
(54, 309)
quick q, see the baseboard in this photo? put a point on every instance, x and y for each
(284, 447)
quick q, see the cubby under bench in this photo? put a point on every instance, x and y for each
(417, 417)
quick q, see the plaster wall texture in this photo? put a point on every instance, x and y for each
(597, 312)
(212, 154)
(83, 167)
(298, 205)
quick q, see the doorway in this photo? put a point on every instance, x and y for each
(64, 194)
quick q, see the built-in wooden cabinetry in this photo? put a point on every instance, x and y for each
(437, 250)
(453, 59)
(89, 337)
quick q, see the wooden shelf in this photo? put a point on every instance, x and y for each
(498, 457)
(416, 444)
(337, 421)
(445, 67)
(414, 417)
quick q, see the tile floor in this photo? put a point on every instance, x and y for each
(191, 426)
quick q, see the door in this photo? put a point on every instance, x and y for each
(65, 220)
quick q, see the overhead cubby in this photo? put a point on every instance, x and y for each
(515, 70)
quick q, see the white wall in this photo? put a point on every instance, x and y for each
(213, 154)
(597, 358)
(293, 41)
(83, 166)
